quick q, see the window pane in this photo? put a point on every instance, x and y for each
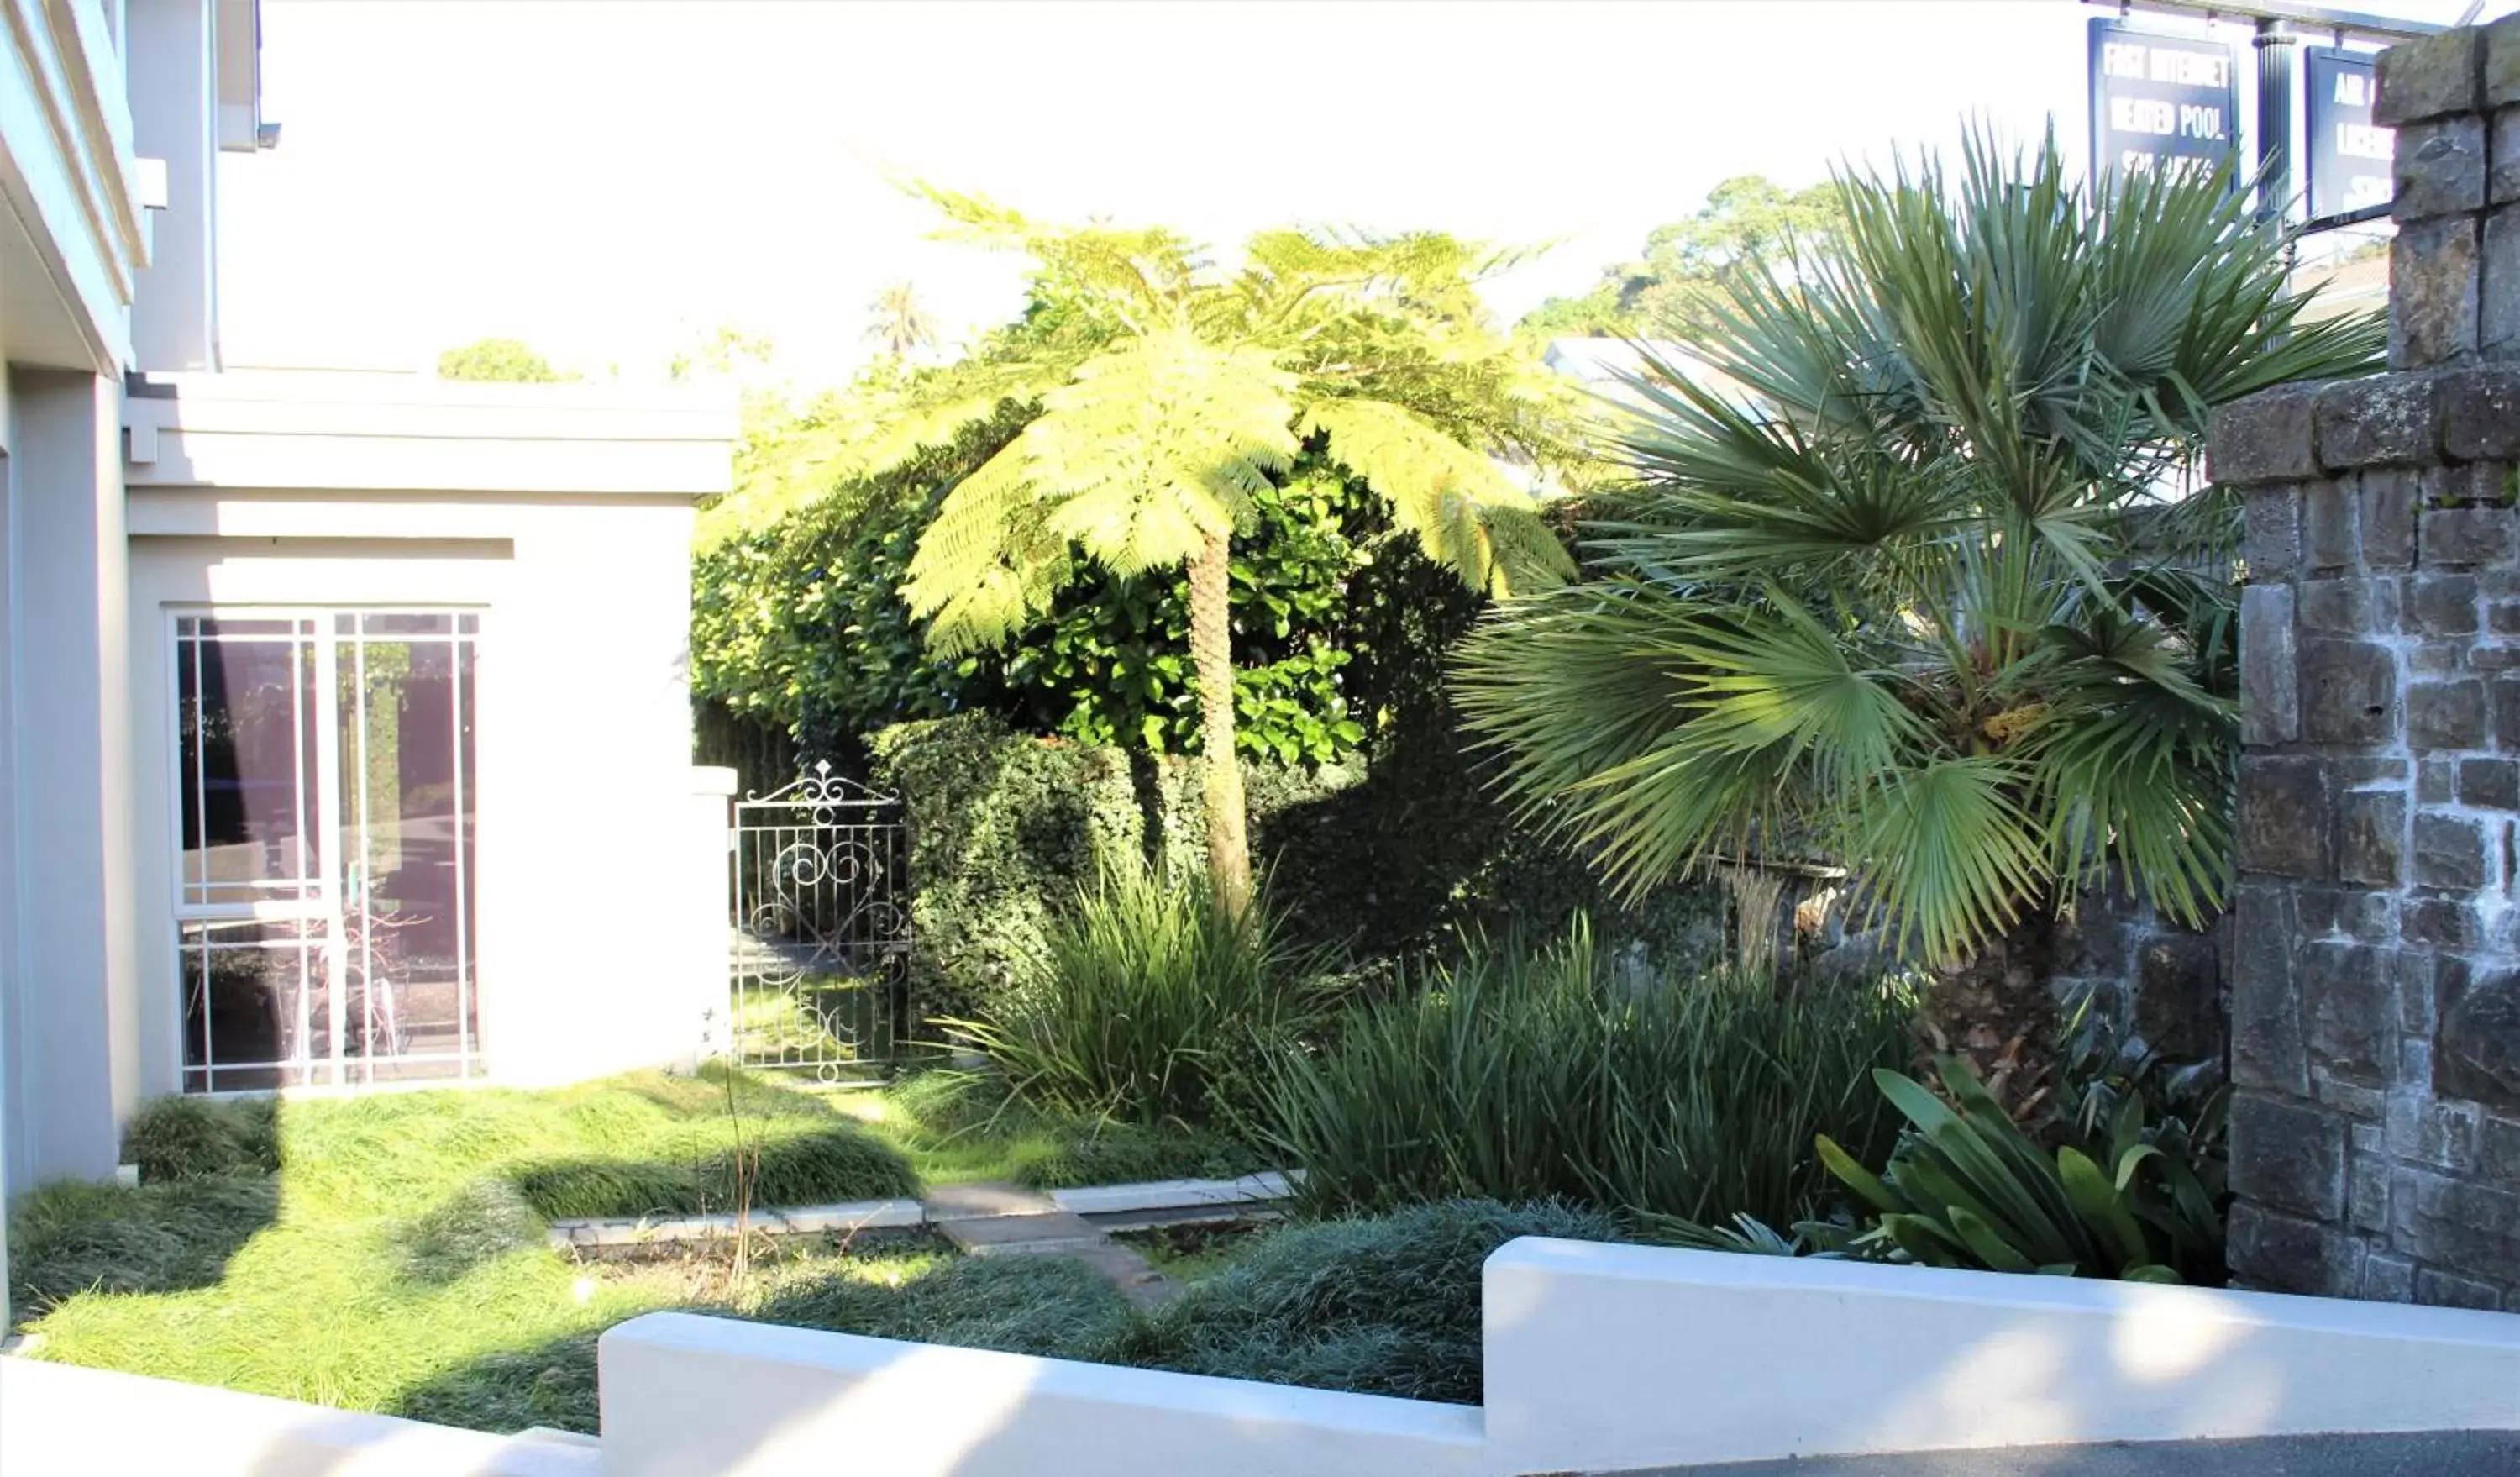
(246, 745)
(255, 1006)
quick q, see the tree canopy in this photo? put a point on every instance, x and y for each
(510, 361)
(1669, 291)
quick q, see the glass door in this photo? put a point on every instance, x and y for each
(324, 909)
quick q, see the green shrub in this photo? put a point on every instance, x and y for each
(181, 1137)
(2134, 1199)
(1153, 1006)
(1385, 1305)
(1523, 1075)
(1054, 1307)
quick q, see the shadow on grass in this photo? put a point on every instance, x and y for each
(549, 1384)
(172, 1236)
(834, 1163)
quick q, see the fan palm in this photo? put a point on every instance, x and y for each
(1171, 393)
(898, 324)
(1937, 596)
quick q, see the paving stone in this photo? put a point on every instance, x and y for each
(985, 1236)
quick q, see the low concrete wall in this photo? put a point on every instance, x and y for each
(1600, 1359)
(699, 1397)
(60, 1420)
(1609, 1357)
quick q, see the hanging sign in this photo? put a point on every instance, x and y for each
(2161, 101)
(2351, 158)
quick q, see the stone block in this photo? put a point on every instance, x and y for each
(2436, 1135)
(2452, 852)
(2283, 815)
(2371, 836)
(2354, 606)
(2283, 1253)
(2420, 974)
(2481, 411)
(2387, 1278)
(2426, 78)
(2440, 167)
(2348, 1000)
(2456, 1223)
(2499, 1150)
(2447, 715)
(2366, 1193)
(2465, 537)
(2270, 694)
(2349, 692)
(2389, 497)
(2265, 438)
(2380, 421)
(2267, 1046)
(2490, 783)
(2435, 1288)
(2270, 540)
(2444, 604)
(2361, 1105)
(2497, 283)
(2476, 1052)
(2439, 922)
(2436, 781)
(2444, 659)
(2328, 541)
(2502, 158)
(2501, 63)
(2291, 1154)
(2436, 279)
(2366, 916)
(2178, 998)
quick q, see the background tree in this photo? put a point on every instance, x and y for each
(1176, 396)
(1928, 601)
(897, 324)
(507, 360)
(1665, 293)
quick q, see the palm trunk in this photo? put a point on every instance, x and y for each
(1211, 649)
(1999, 1012)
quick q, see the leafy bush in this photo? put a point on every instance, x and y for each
(1966, 1187)
(1386, 1306)
(1153, 1004)
(181, 1137)
(1522, 1075)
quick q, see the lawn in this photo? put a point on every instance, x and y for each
(388, 1252)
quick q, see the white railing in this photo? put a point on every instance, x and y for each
(1600, 1359)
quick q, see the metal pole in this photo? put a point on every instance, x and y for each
(2274, 45)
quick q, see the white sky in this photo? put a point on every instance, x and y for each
(612, 180)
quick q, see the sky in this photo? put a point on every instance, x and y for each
(612, 180)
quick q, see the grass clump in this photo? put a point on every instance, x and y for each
(1383, 1306)
(1522, 1075)
(834, 1162)
(77, 1238)
(1153, 1008)
(188, 1138)
(1054, 1307)
(964, 1125)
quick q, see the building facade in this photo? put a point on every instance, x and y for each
(347, 740)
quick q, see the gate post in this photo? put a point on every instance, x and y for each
(708, 841)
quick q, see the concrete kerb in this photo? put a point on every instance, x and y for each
(1112, 1207)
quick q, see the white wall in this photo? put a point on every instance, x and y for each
(65, 1420)
(73, 956)
(173, 66)
(699, 1397)
(66, 138)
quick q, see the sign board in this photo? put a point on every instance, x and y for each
(2349, 159)
(2161, 101)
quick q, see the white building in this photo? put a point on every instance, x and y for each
(347, 737)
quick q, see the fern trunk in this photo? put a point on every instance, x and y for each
(1211, 649)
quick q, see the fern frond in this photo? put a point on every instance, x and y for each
(1466, 513)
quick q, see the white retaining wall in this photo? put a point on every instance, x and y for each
(1598, 1359)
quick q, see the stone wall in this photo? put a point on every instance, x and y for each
(2376, 953)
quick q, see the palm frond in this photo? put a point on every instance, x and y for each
(1467, 514)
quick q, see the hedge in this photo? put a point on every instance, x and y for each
(1401, 858)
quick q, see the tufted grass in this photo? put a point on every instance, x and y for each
(395, 1259)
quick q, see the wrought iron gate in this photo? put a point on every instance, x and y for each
(821, 917)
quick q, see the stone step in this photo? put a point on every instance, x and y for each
(980, 1198)
(1059, 1232)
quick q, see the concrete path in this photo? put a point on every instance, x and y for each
(989, 1219)
(2420, 1454)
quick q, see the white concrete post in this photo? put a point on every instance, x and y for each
(710, 844)
(173, 62)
